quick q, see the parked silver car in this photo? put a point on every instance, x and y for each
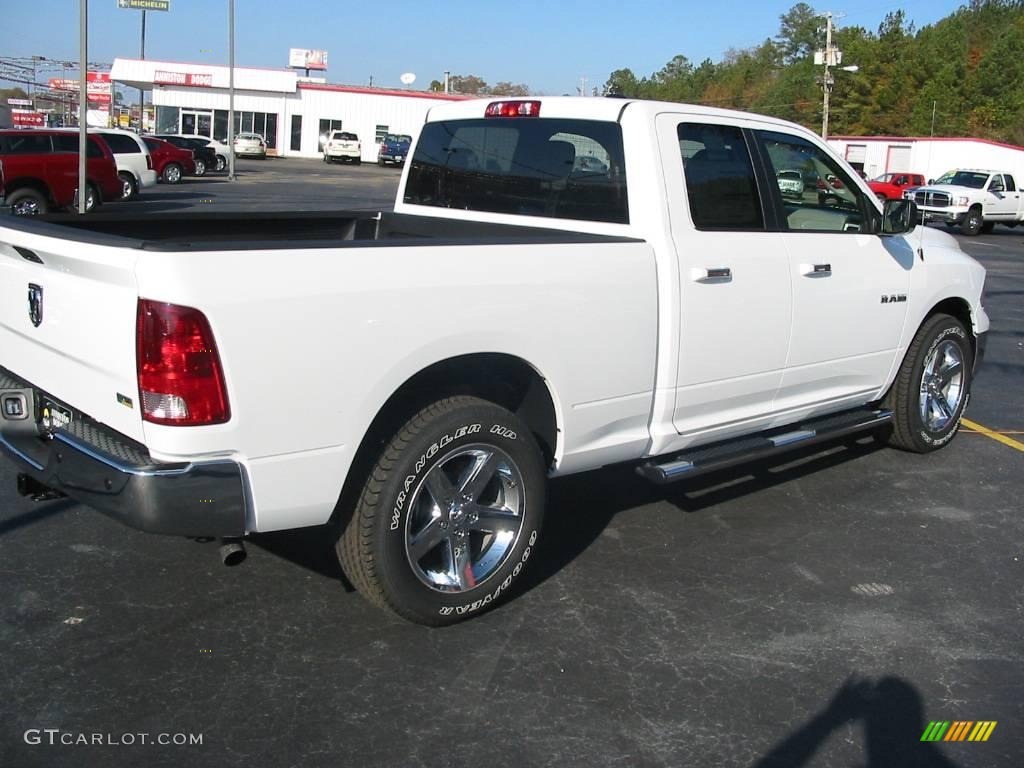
(250, 145)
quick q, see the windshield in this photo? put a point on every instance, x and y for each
(885, 177)
(971, 179)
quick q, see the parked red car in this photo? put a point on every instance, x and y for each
(890, 186)
(41, 171)
(170, 162)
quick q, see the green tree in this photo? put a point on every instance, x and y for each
(798, 33)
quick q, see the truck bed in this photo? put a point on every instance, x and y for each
(208, 230)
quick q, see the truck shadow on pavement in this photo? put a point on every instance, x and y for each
(580, 507)
(892, 714)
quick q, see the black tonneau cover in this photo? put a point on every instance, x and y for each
(257, 230)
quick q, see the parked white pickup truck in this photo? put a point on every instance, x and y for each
(414, 377)
(974, 200)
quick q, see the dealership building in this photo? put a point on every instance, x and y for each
(930, 157)
(293, 113)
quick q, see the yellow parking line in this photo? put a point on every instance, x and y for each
(994, 435)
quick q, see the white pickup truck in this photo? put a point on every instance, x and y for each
(974, 200)
(414, 377)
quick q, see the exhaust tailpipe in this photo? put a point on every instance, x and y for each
(232, 551)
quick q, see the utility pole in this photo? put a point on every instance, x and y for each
(827, 80)
(583, 86)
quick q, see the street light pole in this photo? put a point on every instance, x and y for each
(231, 90)
(142, 93)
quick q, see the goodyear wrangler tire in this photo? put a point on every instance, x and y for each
(932, 387)
(449, 515)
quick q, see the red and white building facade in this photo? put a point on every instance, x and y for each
(931, 157)
(291, 112)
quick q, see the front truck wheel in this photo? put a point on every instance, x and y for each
(972, 223)
(449, 515)
(932, 387)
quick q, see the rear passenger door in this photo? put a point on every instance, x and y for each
(1005, 200)
(849, 284)
(734, 285)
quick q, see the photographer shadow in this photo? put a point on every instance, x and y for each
(892, 713)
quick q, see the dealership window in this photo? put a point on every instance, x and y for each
(263, 123)
(271, 134)
(220, 125)
(296, 142)
(382, 131)
(326, 126)
(167, 119)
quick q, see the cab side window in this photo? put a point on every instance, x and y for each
(720, 182)
(996, 185)
(1011, 185)
(27, 143)
(829, 201)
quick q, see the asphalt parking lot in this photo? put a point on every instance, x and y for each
(817, 612)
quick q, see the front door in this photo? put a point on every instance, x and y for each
(849, 285)
(196, 122)
(733, 281)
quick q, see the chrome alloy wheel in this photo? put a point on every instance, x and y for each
(942, 386)
(465, 517)
(26, 207)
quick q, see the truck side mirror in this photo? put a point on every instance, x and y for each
(931, 181)
(898, 217)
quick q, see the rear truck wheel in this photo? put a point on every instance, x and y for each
(380, 162)
(200, 167)
(129, 186)
(972, 223)
(449, 515)
(357, 160)
(28, 202)
(932, 387)
(881, 198)
(222, 163)
(171, 173)
(987, 227)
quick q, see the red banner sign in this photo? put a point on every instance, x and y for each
(27, 119)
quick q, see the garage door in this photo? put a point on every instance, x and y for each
(855, 153)
(898, 160)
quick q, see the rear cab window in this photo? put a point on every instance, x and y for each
(554, 168)
(720, 182)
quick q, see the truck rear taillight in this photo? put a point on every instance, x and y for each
(513, 109)
(181, 381)
(149, 161)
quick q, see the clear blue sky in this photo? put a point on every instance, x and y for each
(547, 45)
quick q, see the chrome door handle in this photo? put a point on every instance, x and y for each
(711, 274)
(816, 270)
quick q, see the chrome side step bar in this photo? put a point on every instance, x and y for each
(709, 458)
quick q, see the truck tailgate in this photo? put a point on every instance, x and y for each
(67, 323)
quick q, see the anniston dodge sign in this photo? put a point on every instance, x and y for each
(194, 79)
